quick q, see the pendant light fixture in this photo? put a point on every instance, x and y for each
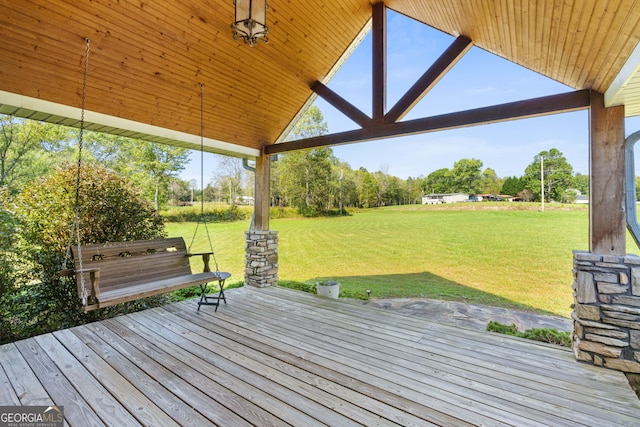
(250, 24)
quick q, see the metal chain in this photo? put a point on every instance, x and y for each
(202, 218)
(76, 221)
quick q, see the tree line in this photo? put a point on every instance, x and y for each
(312, 181)
(315, 181)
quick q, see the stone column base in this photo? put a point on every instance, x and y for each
(261, 258)
(606, 311)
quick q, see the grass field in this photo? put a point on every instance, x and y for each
(506, 257)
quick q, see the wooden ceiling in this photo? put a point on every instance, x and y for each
(581, 43)
(148, 58)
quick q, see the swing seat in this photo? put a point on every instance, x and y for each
(126, 271)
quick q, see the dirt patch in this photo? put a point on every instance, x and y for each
(634, 381)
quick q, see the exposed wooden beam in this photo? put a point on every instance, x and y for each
(429, 79)
(607, 222)
(262, 190)
(379, 55)
(341, 104)
(560, 103)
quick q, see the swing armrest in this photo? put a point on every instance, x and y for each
(200, 254)
(67, 272)
(73, 272)
(94, 276)
(206, 256)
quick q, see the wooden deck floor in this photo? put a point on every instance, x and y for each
(279, 357)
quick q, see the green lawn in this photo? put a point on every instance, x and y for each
(513, 258)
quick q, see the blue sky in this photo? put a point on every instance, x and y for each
(478, 79)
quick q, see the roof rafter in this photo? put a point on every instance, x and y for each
(560, 103)
(341, 104)
(429, 79)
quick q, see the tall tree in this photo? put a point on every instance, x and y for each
(28, 149)
(229, 177)
(155, 166)
(439, 182)
(558, 175)
(346, 188)
(414, 190)
(369, 191)
(581, 183)
(310, 124)
(466, 176)
(513, 185)
(304, 178)
(490, 183)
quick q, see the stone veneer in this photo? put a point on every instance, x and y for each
(261, 258)
(606, 311)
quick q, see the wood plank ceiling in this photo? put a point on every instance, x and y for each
(148, 58)
(581, 43)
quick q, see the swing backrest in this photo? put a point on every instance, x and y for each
(123, 264)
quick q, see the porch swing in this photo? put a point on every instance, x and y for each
(116, 272)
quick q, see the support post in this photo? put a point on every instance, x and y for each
(262, 190)
(606, 285)
(607, 229)
(261, 251)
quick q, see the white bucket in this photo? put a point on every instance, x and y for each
(328, 289)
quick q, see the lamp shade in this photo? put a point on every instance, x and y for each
(250, 23)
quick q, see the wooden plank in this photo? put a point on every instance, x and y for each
(76, 409)
(482, 343)
(607, 223)
(553, 104)
(153, 387)
(367, 367)
(24, 382)
(140, 406)
(255, 342)
(484, 377)
(277, 357)
(262, 380)
(145, 289)
(100, 400)
(8, 396)
(235, 397)
(356, 406)
(416, 374)
(194, 390)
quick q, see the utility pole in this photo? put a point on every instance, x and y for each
(341, 176)
(542, 180)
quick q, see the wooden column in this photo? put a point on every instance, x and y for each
(262, 190)
(607, 225)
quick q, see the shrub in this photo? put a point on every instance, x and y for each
(548, 335)
(110, 209)
(212, 215)
(11, 269)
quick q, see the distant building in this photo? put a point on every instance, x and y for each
(491, 198)
(245, 200)
(581, 199)
(434, 199)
